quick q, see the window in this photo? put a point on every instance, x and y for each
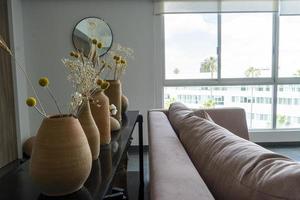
(246, 44)
(247, 60)
(289, 48)
(215, 97)
(190, 46)
(288, 107)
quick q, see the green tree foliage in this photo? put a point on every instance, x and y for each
(252, 72)
(209, 65)
(210, 103)
(169, 101)
(297, 73)
(281, 120)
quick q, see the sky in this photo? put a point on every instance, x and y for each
(246, 42)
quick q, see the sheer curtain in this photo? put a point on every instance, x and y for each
(284, 7)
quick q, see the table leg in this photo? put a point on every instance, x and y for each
(141, 156)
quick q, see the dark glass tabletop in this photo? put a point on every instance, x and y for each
(18, 185)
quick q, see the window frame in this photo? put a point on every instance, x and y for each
(274, 80)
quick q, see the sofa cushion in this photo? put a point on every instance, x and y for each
(177, 112)
(203, 114)
(172, 174)
(232, 167)
(233, 119)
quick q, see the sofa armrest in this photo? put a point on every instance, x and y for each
(172, 173)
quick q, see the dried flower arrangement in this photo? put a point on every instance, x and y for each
(84, 73)
(116, 60)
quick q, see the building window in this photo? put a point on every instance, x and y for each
(235, 60)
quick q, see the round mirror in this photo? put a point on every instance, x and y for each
(92, 28)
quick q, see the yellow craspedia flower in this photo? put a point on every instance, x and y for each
(123, 61)
(76, 55)
(72, 53)
(105, 85)
(44, 81)
(117, 58)
(99, 82)
(31, 101)
(94, 41)
(99, 45)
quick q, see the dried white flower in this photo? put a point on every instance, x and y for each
(113, 109)
(83, 76)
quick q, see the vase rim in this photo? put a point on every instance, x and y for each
(61, 116)
(113, 80)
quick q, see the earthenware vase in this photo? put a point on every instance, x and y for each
(101, 113)
(125, 104)
(61, 159)
(90, 129)
(114, 124)
(114, 93)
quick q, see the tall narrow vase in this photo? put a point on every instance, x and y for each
(90, 129)
(114, 93)
(61, 158)
(101, 116)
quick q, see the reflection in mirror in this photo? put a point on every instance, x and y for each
(92, 28)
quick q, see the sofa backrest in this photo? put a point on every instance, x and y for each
(232, 167)
(233, 119)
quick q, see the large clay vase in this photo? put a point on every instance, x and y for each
(114, 93)
(101, 113)
(90, 129)
(61, 159)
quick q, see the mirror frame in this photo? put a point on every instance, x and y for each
(112, 36)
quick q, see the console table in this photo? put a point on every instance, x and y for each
(17, 184)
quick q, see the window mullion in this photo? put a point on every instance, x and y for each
(275, 66)
(219, 48)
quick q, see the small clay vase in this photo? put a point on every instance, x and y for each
(114, 93)
(90, 129)
(61, 159)
(28, 146)
(115, 124)
(101, 113)
(125, 104)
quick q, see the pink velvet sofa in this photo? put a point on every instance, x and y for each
(195, 156)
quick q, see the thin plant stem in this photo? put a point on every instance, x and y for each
(54, 99)
(40, 112)
(115, 73)
(81, 107)
(30, 83)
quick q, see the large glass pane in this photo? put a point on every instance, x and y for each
(288, 106)
(190, 46)
(256, 100)
(289, 46)
(246, 45)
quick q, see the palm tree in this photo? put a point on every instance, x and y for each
(209, 65)
(176, 71)
(252, 72)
